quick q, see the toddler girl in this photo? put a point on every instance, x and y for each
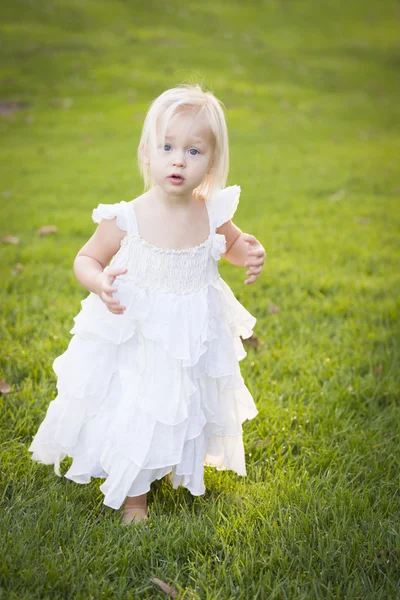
(150, 384)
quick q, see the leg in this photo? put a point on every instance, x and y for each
(168, 477)
(135, 508)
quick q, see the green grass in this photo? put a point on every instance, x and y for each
(312, 95)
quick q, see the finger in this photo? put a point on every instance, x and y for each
(256, 252)
(255, 268)
(257, 263)
(109, 289)
(249, 262)
(114, 306)
(255, 271)
(250, 239)
(251, 279)
(110, 301)
(254, 263)
(106, 296)
(112, 278)
(117, 270)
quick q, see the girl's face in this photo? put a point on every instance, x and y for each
(180, 163)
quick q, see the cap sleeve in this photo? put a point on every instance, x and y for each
(224, 204)
(109, 211)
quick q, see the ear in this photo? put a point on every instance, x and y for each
(143, 154)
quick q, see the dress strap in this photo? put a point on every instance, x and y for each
(130, 217)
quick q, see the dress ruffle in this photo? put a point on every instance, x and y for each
(119, 421)
(224, 205)
(109, 211)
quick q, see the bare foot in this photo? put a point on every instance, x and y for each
(135, 508)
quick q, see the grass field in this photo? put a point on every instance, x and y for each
(311, 89)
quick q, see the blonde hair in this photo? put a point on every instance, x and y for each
(202, 103)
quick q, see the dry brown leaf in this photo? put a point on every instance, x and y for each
(261, 443)
(5, 387)
(62, 102)
(10, 239)
(17, 268)
(7, 106)
(389, 556)
(273, 309)
(337, 195)
(252, 341)
(165, 587)
(236, 498)
(47, 229)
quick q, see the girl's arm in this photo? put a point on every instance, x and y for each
(95, 255)
(243, 250)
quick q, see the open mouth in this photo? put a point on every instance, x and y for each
(176, 179)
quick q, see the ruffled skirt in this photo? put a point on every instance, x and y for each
(153, 391)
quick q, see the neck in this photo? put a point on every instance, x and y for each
(173, 200)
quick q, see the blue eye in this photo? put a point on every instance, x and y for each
(167, 147)
(193, 150)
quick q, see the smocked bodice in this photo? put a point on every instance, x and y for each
(179, 271)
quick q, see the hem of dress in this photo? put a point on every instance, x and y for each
(175, 485)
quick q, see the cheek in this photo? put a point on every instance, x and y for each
(201, 162)
(155, 163)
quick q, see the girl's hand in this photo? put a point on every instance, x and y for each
(105, 289)
(256, 256)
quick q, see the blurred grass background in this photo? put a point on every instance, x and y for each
(311, 90)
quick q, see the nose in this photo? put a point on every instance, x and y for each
(178, 159)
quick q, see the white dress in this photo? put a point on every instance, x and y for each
(157, 389)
